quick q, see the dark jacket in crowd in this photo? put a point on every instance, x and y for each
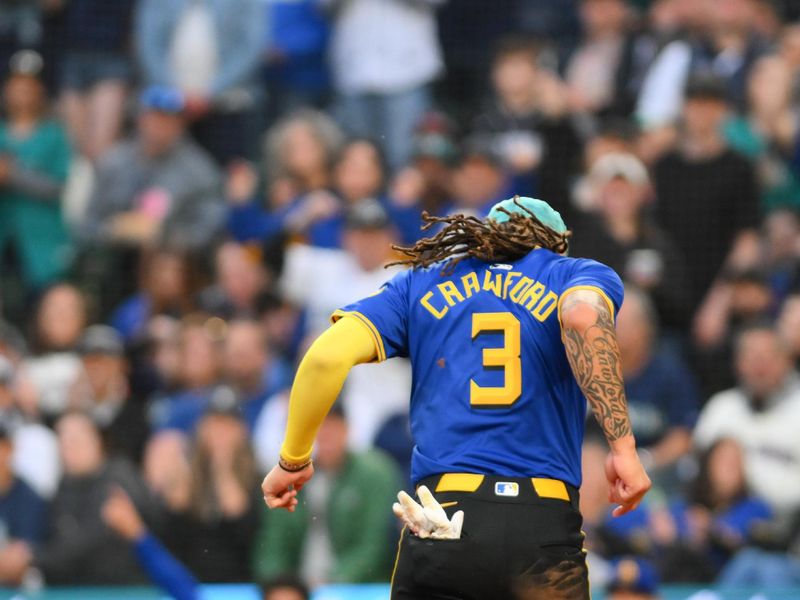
(81, 550)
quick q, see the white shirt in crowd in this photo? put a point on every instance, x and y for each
(384, 46)
(323, 280)
(770, 439)
(193, 54)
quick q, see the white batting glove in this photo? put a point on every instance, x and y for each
(428, 520)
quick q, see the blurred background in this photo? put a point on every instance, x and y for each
(188, 188)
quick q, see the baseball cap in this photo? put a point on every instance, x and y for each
(26, 62)
(619, 165)
(101, 339)
(162, 98)
(522, 205)
(366, 214)
(633, 575)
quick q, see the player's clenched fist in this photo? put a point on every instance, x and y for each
(427, 520)
(280, 486)
(628, 482)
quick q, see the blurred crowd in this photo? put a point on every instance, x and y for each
(188, 189)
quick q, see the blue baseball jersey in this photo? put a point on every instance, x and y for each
(492, 390)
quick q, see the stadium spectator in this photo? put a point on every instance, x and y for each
(250, 369)
(120, 515)
(383, 60)
(621, 233)
(294, 55)
(165, 288)
(300, 150)
(103, 392)
(700, 534)
(239, 279)
(592, 72)
(702, 182)
(34, 160)
(212, 508)
(318, 540)
(766, 133)
(157, 186)
(54, 366)
(35, 458)
(760, 413)
(95, 70)
(210, 52)
(527, 123)
(80, 548)
(662, 394)
(426, 183)
(720, 41)
(632, 579)
(199, 371)
(738, 298)
(23, 514)
(479, 179)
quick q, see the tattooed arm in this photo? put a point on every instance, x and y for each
(590, 341)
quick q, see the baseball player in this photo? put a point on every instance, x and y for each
(508, 338)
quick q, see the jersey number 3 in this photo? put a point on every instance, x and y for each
(506, 357)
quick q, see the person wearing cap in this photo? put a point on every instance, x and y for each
(102, 390)
(158, 185)
(620, 233)
(210, 51)
(508, 338)
(706, 193)
(34, 161)
(321, 280)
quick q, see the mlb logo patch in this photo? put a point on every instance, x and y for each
(506, 488)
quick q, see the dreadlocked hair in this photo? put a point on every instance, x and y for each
(487, 240)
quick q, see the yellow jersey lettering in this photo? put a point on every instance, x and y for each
(426, 302)
(493, 285)
(532, 295)
(517, 293)
(510, 277)
(450, 291)
(471, 284)
(545, 308)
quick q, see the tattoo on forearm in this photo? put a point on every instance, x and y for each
(594, 357)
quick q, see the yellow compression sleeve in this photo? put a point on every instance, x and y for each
(319, 380)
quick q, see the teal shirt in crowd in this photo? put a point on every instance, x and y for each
(30, 215)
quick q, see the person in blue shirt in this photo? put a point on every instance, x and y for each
(508, 338)
(23, 514)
